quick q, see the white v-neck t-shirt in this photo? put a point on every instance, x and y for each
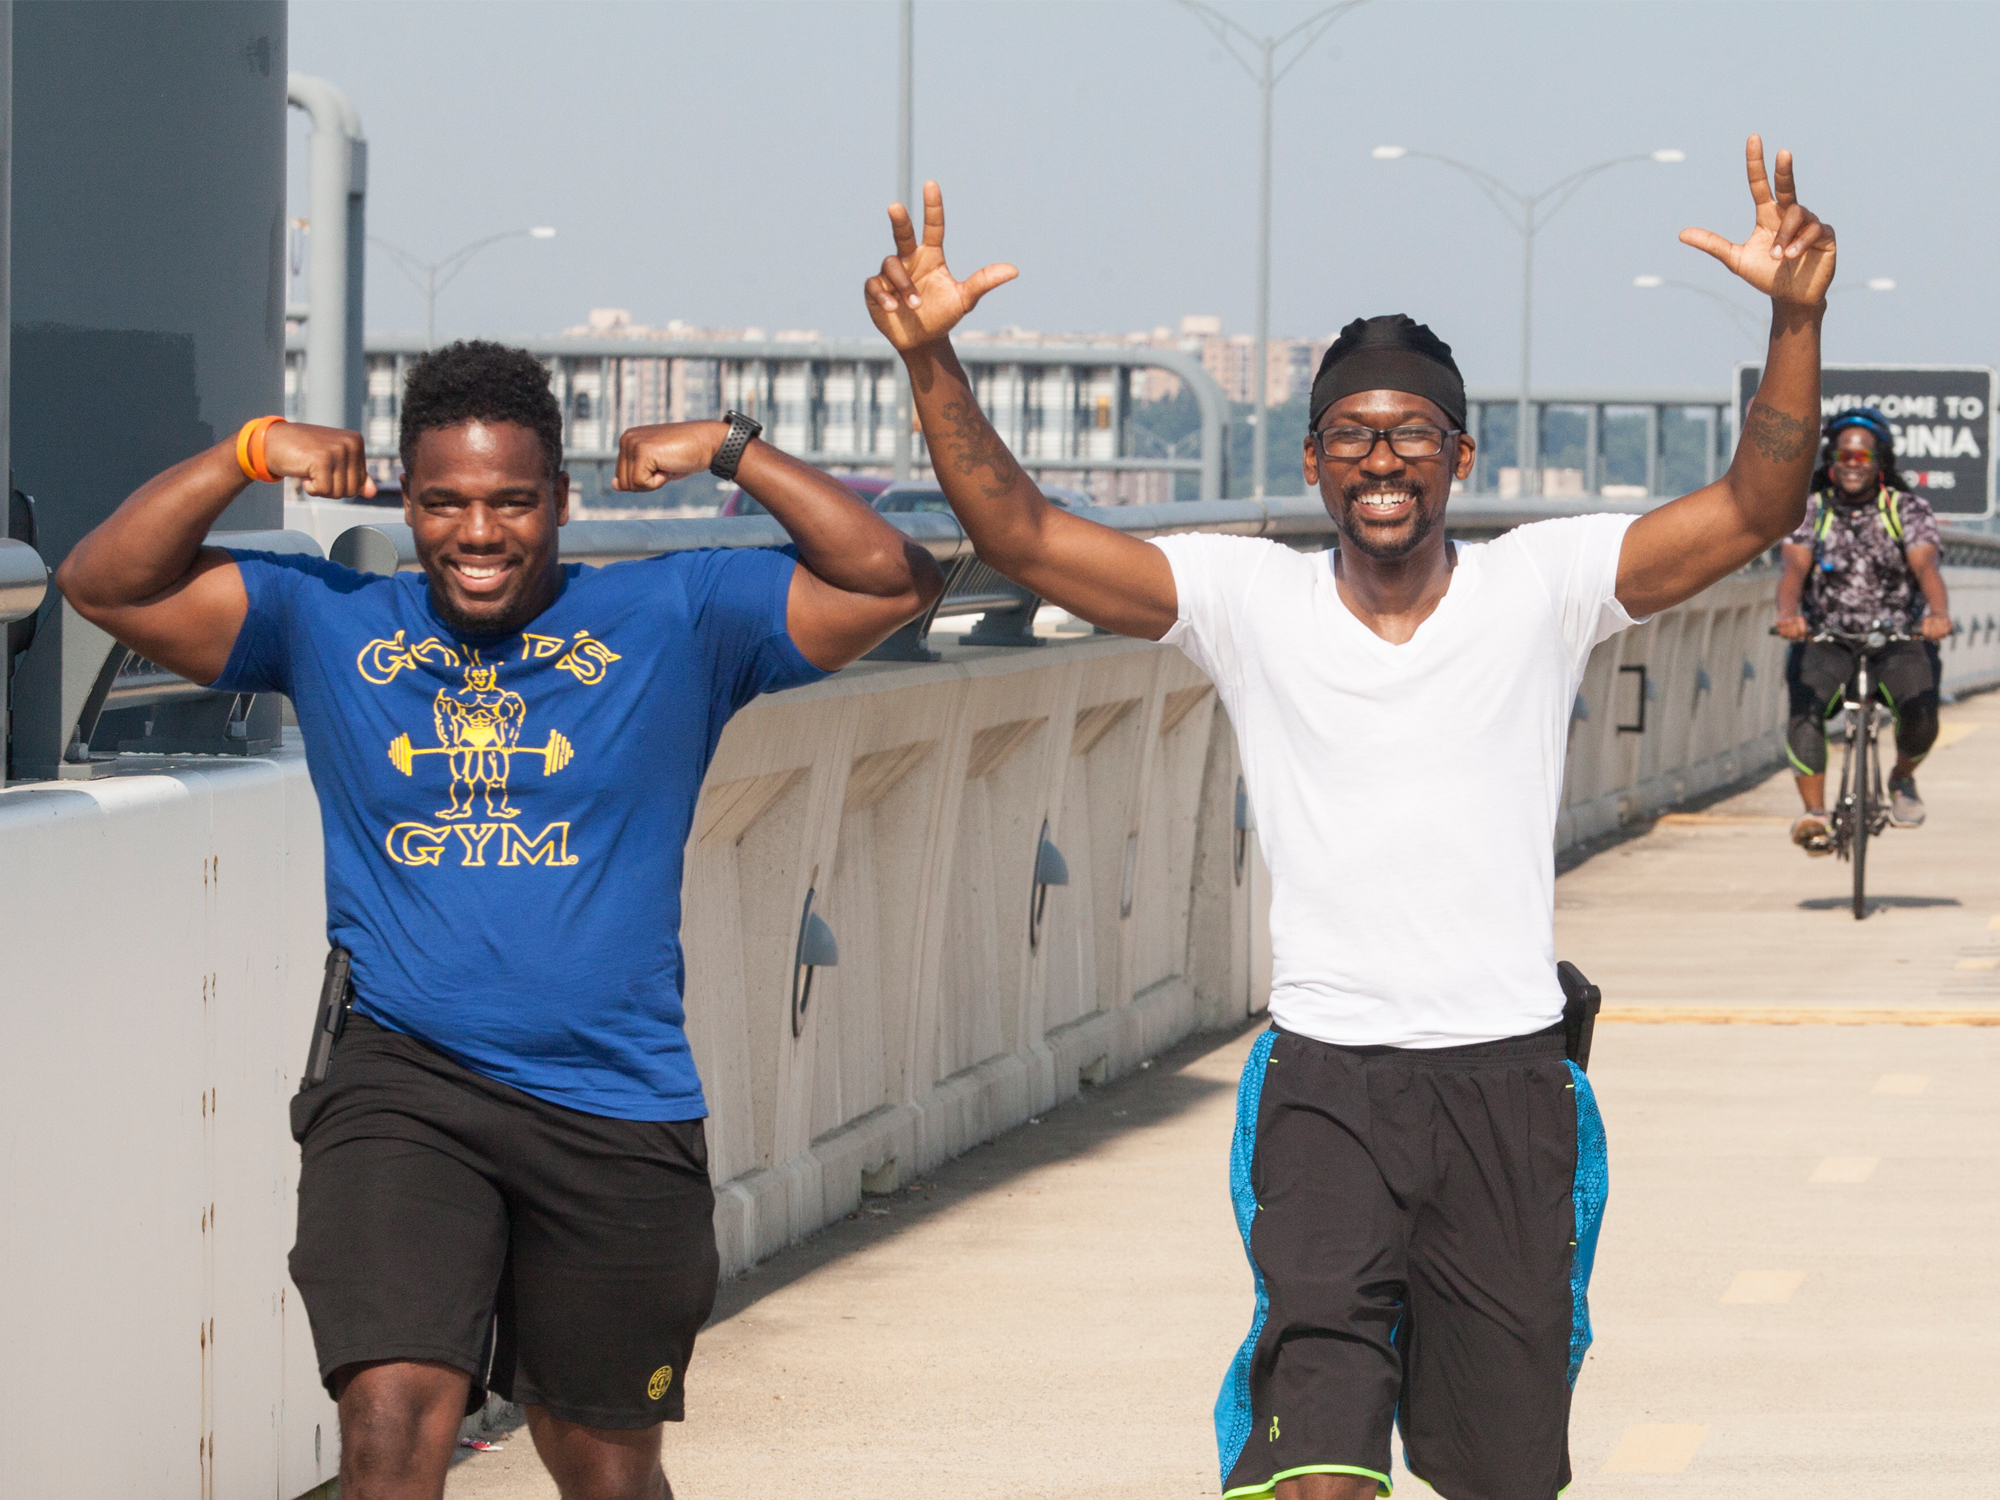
(1406, 796)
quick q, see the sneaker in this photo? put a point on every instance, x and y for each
(1811, 834)
(1906, 808)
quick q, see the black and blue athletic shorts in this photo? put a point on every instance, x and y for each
(562, 1259)
(1420, 1226)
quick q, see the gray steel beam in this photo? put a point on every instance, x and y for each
(146, 279)
(337, 188)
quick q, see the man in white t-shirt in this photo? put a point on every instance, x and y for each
(1418, 1168)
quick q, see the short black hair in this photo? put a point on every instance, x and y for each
(477, 380)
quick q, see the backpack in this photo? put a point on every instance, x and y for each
(1888, 504)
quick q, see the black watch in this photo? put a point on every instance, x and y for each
(741, 430)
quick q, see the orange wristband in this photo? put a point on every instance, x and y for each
(250, 448)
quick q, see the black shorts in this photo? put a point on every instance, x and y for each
(562, 1259)
(1817, 671)
(1421, 1225)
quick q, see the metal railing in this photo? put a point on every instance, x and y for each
(136, 706)
(24, 580)
(1060, 408)
(1593, 428)
(972, 586)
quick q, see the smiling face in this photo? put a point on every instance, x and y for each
(1383, 505)
(484, 510)
(1856, 469)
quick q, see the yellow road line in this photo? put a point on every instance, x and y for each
(1763, 1288)
(1767, 1015)
(1655, 1448)
(1901, 1083)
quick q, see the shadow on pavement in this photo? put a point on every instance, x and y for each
(1840, 903)
(1073, 1130)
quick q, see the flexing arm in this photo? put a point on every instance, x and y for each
(1095, 573)
(144, 576)
(1675, 552)
(859, 577)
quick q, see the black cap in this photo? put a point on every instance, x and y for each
(1390, 353)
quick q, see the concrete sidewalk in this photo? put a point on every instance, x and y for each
(1797, 1290)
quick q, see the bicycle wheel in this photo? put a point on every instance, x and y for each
(1861, 809)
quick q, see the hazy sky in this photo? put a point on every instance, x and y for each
(728, 164)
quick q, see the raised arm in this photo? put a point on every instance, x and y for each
(859, 577)
(144, 576)
(1095, 573)
(1675, 552)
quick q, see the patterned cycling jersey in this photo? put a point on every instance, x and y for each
(1860, 573)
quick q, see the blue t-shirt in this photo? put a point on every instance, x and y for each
(505, 817)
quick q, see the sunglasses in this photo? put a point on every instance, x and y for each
(1854, 455)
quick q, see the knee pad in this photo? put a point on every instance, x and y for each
(1805, 744)
(1917, 726)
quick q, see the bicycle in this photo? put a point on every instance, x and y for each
(1861, 810)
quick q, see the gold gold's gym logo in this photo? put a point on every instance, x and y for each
(479, 729)
(657, 1386)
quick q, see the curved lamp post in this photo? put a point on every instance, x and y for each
(1528, 212)
(431, 278)
(1741, 316)
(1266, 73)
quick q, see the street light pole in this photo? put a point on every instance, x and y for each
(1741, 316)
(429, 283)
(1525, 211)
(1260, 451)
(906, 194)
(1266, 77)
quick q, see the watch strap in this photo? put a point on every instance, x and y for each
(741, 430)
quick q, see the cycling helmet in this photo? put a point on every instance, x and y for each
(1860, 416)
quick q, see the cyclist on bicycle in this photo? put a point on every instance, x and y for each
(1867, 552)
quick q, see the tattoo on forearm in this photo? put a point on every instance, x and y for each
(973, 448)
(1780, 437)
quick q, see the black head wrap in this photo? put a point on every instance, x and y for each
(1393, 353)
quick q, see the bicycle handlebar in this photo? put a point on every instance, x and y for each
(1869, 640)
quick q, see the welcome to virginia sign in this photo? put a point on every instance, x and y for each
(1942, 416)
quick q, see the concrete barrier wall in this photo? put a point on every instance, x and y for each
(161, 938)
(911, 801)
(1714, 684)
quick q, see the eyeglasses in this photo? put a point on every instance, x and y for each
(1854, 455)
(1420, 441)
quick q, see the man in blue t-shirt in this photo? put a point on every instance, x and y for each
(505, 1180)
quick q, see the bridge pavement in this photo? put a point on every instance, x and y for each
(1797, 1291)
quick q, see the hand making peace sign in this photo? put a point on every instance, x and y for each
(1789, 255)
(916, 300)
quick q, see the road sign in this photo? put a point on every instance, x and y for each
(1942, 417)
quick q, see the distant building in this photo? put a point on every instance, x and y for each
(680, 390)
(1230, 358)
